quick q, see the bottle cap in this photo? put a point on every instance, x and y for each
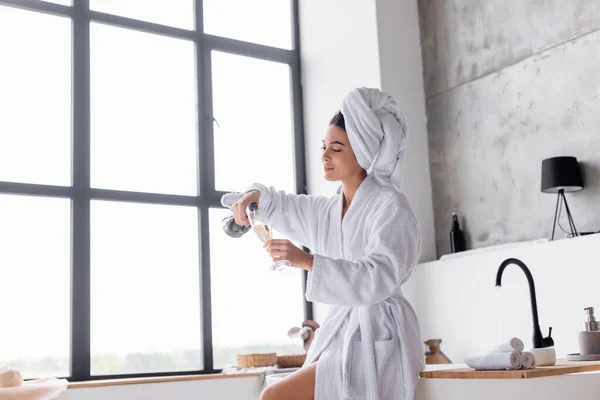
(590, 324)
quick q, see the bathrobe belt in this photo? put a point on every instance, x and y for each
(363, 322)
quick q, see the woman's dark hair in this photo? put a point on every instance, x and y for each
(338, 120)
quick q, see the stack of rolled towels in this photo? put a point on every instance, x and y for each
(507, 355)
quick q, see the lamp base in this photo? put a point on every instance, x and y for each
(559, 202)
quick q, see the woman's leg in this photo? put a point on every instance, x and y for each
(298, 386)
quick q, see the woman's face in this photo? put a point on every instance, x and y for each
(339, 161)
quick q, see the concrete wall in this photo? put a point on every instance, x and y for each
(465, 39)
(509, 84)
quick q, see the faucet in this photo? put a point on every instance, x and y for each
(538, 341)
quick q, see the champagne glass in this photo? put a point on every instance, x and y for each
(264, 233)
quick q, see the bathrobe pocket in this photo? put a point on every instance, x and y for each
(387, 366)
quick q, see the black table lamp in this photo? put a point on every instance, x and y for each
(560, 175)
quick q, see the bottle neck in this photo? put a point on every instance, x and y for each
(434, 345)
(455, 225)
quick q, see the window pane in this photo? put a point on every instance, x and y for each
(145, 288)
(252, 309)
(178, 13)
(267, 22)
(143, 116)
(253, 133)
(35, 102)
(35, 285)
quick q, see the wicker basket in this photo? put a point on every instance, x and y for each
(290, 361)
(256, 360)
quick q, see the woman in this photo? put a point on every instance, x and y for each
(365, 243)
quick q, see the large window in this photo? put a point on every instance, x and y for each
(121, 126)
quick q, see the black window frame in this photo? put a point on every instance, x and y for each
(81, 193)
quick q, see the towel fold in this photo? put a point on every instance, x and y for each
(528, 360)
(513, 344)
(495, 361)
(377, 133)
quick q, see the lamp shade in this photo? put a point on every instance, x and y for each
(561, 173)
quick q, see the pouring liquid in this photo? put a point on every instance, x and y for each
(263, 232)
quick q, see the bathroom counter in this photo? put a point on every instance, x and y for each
(580, 386)
(562, 367)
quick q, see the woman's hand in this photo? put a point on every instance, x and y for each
(239, 207)
(283, 249)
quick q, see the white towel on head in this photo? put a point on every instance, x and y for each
(377, 133)
(513, 344)
(528, 360)
(495, 361)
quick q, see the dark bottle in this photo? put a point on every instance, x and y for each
(457, 238)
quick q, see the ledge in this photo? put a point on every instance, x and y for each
(158, 379)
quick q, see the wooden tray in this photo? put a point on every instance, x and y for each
(562, 367)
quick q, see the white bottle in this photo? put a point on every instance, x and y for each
(589, 337)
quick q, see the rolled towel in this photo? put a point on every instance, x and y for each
(495, 361)
(513, 344)
(528, 360)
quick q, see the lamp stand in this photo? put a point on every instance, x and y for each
(561, 197)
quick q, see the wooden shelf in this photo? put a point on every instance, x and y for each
(159, 379)
(562, 367)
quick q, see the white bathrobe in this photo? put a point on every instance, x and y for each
(370, 345)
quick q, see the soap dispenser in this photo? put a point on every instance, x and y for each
(589, 337)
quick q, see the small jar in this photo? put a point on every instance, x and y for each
(434, 355)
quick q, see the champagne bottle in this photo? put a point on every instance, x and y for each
(457, 238)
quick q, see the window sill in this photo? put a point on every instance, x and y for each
(160, 379)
